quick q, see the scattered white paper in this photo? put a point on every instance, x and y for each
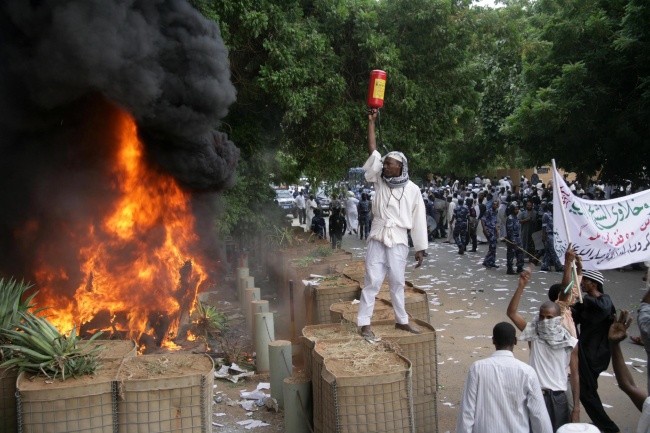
(232, 373)
(252, 423)
(253, 395)
(247, 404)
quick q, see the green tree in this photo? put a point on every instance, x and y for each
(584, 100)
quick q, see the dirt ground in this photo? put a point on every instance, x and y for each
(228, 414)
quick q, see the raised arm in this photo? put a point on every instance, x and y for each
(570, 257)
(513, 306)
(372, 139)
(617, 333)
(575, 384)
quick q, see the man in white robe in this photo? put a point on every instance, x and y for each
(397, 208)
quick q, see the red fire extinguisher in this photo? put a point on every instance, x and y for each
(376, 88)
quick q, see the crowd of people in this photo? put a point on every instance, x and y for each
(490, 211)
(346, 213)
(482, 211)
(571, 343)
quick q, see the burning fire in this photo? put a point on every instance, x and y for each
(137, 273)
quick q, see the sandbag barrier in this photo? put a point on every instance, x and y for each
(419, 349)
(8, 378)
(119, 399)
(329, 291)
(85, 404)
(379, 403)
(348, 312)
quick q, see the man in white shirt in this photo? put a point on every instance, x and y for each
(502, 394)
(552, 350)
(451, 205)
(300, 204)
(397, 208)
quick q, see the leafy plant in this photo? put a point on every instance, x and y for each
(11, 306)
(282, 236)
(207, 321)
(322, 251)
(36, 346)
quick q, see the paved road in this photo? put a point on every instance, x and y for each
(466, 301)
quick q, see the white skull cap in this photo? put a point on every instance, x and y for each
(399, 156)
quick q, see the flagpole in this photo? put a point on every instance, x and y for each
(556, 195)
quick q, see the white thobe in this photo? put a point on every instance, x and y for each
(310, 206)
(395, 210)
(351, 213)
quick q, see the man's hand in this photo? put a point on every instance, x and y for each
(618, 330)
(579, 265)
(419, 257)
(569, 255)
(575, 414)
(524, 277)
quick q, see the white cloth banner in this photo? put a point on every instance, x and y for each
(607, 234)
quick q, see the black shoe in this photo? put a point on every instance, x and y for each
(511, 272)
(520, 270)
(473, 250)
(407, 327)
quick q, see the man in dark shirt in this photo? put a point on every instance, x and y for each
(594, 316)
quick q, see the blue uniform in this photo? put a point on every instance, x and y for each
(363, 210)
(461, 220)
(550, 256)
(513, 235)
(490, 231)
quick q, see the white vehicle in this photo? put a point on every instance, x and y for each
(284, 199)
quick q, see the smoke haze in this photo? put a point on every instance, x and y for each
(67, 68)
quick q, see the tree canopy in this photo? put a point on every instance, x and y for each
(469, 89)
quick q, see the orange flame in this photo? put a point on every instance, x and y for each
(131, 260)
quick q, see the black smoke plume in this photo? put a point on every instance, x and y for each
(67, 68)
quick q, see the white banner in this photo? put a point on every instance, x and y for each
(607, 234)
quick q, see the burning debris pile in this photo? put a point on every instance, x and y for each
(111, 158)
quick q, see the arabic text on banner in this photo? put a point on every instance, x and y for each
(607, 234)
